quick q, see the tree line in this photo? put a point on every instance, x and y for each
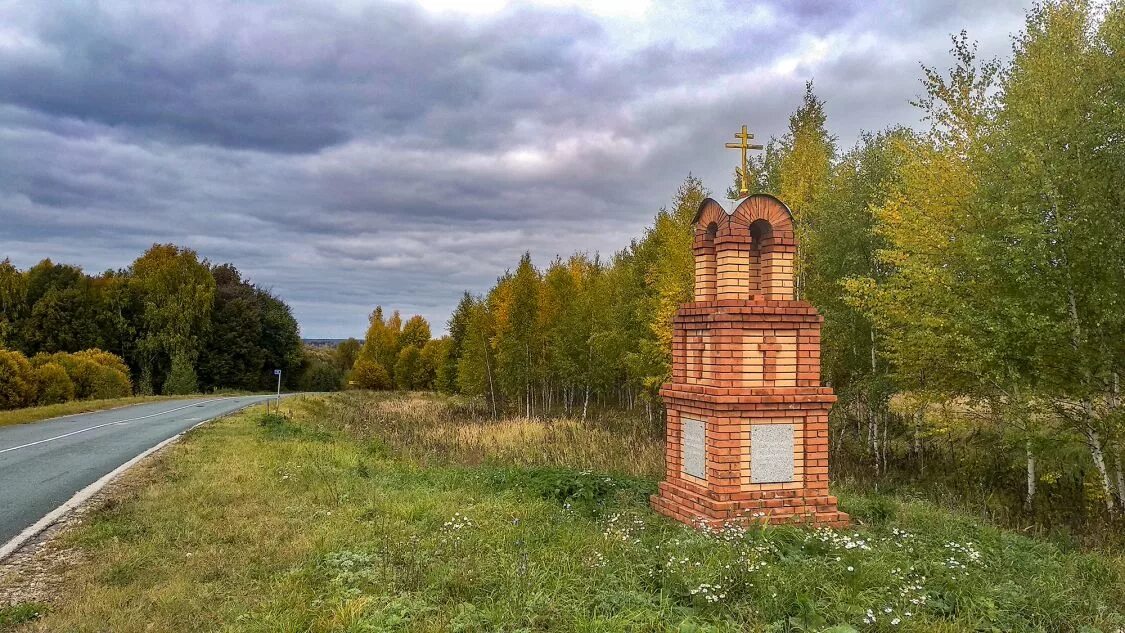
(971, 274)
(176, 323)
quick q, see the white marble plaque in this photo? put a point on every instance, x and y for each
(771, 453)
(694, 448)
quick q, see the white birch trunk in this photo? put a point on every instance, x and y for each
(491, 387)
(1031, 477)
(1094, 441)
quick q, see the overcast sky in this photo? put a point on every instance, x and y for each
(398, 153)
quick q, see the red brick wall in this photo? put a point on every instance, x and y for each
(746, 353)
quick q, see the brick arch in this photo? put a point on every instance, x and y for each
(711, 221)
(762, 206)
(710, 211)
(773, 245)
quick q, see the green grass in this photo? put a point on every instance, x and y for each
(20, 614)
(353, 514)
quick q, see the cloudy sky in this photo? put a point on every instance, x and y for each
(353, 153)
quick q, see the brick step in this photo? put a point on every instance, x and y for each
(830, 517)
(692, 507)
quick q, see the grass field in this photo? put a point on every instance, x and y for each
(366, 513)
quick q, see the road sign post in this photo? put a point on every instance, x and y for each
(277, 372)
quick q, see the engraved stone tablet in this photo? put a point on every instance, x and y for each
(694, 456)
(771, 453)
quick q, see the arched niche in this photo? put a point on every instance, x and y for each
(710, 221)
(748, 254)
(773, 246)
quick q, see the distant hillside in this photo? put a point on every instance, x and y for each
(323, 342)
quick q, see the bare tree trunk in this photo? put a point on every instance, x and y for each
(885, 425)
(873, 351)
(870, 426)
(1114, 403)
(1120, 479)
(491, 386)
(840, 435)
(527, 378)
(1031, 477)
(586, 402)
(918, 455)
(873, 435)
(1094, 442)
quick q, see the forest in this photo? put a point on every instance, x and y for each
(170, 323)
(971, 275)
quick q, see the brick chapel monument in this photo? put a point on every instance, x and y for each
(747, 427)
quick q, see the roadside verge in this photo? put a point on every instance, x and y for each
(84, 495)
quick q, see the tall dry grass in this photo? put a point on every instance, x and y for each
(435, 429)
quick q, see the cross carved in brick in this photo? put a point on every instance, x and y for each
(770, 349)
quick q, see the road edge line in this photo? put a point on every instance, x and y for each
(84, 495)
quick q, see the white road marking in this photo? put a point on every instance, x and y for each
(143, 417)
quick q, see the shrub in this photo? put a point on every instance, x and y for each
(273, 422)
(96, 374)
(105, 359)
(53, 385)
(105, 383)
(17, 383)
(181, 379)
(321, 376)
(368, 374)
(93, 381)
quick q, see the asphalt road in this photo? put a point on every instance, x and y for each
(43, 464)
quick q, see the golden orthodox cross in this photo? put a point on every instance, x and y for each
(744, 171)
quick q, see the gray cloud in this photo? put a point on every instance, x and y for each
(382, 153)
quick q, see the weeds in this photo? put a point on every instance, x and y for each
(582, 491)
(14, 615)
(439, 430)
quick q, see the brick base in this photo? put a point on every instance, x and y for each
(773, 507)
